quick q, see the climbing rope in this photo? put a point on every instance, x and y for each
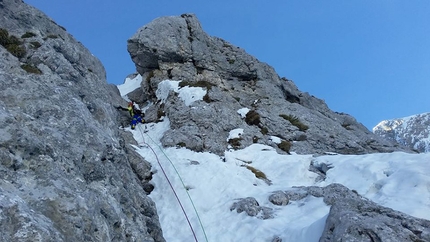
(171, 186)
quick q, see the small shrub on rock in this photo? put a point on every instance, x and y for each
(51, 36)
(184, 83)
(252, 118)
(28, 35)
(206, 98)
(14, 40)
(259, 174)
(31, 69)
(285, 146)
(35, 44)
(235, 142)
(12, 44)
(160, 113)
(201, 83)
(264, 130)
(17, 50)
(295, 121)
(4, 37)
(150, 75)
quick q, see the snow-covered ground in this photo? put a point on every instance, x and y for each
(207, 185)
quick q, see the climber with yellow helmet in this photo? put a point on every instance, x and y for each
(135, 114)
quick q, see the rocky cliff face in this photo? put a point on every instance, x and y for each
(177, 48)
(67, 171)
(355, 218)
(412, 131)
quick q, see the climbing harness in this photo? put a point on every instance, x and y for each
(170, 184)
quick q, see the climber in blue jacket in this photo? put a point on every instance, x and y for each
(135, 114)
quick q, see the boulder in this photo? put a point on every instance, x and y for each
(250, 206)
(355, 218)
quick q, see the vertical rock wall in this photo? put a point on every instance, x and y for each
(66, 171)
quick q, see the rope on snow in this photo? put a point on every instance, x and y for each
(171, 186)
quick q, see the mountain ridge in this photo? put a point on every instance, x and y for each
(412, 131)
(177, 48)
(71, 173)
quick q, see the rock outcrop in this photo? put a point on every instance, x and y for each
(412, 131)
(251, 207)
(67, 172)
(177, 48)
(355, 218)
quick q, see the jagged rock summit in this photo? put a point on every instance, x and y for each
(240, 93)
(67, 173)
(412, 131)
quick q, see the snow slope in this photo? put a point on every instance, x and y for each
(207, 185)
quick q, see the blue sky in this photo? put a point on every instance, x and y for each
(370, 59)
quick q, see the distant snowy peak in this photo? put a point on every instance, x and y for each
(412, 131)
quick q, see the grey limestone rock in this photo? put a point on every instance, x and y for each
(320, 169)
(177, 48)
(250, 206)
(282, 198)
(279, 198)
(355, 218)
(67, 171)
(276, 239)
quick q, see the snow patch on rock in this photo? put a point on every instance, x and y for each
(129, 85)
(235, 133)
(243, 112)
(186, 94)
